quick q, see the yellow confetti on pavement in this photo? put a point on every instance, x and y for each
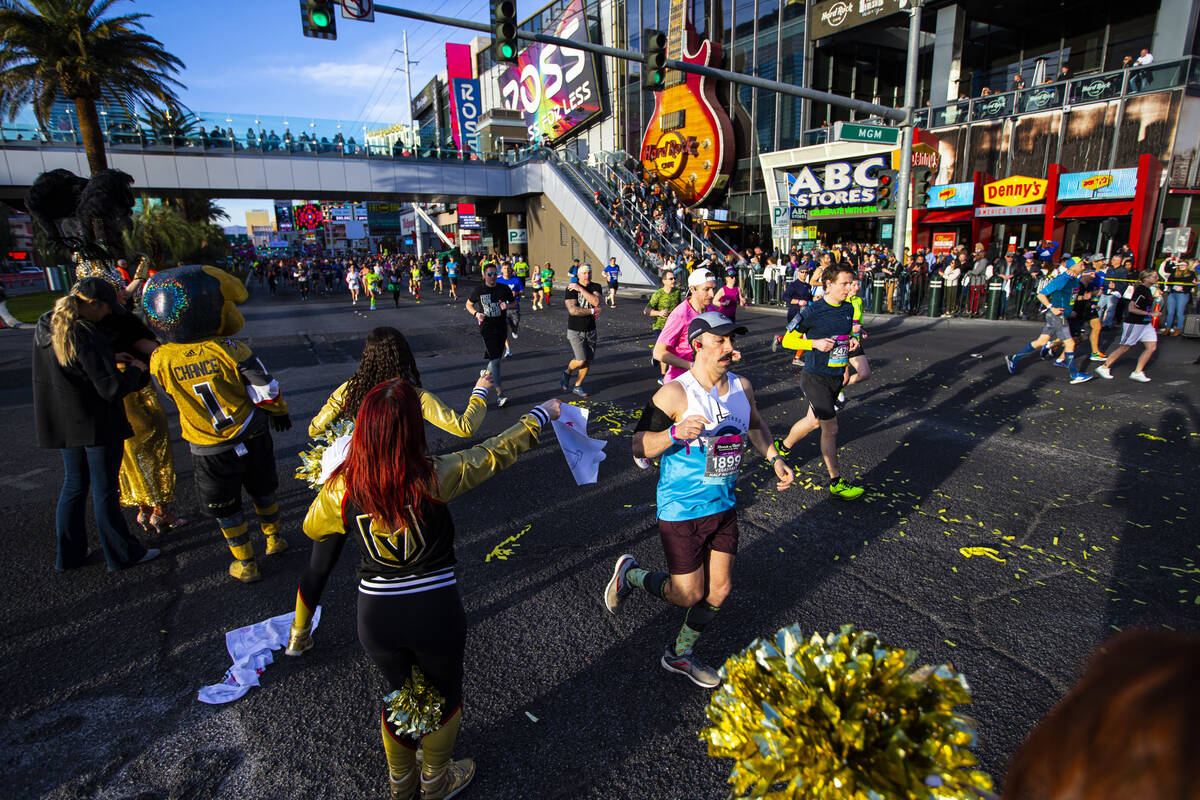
(990, 552)
(501, 552)
(1152, 437)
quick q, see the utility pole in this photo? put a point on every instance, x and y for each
(900, 224)
(408, 82)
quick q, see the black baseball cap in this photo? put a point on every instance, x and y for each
(713, 322)
(93, 288)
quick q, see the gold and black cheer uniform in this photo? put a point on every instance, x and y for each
(433, 410)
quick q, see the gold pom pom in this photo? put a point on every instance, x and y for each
(417, 708)
(310, 458)
(842, 717)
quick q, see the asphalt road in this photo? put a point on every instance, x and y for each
(1081, 493)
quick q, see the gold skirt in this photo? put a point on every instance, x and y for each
(148, 466)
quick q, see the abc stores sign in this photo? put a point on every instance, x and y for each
(835, 183)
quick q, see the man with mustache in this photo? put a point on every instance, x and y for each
(699, 425)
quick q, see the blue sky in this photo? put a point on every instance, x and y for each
(250, 57)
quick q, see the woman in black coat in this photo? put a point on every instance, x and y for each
(77, 404)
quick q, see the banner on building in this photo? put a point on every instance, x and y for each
(952, 195)
(1113, 184)
(459, 66)
(555, 89)
(833, 16)
(466, 104)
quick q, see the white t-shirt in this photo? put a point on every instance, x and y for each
(1144, 60)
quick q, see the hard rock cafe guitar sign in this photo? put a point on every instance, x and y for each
(689, 138)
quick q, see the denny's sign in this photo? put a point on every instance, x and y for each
(1015, 191)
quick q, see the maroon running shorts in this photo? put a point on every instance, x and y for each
(686, 542)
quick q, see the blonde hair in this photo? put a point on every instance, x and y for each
(62, 327)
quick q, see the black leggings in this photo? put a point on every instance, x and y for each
(428, 629)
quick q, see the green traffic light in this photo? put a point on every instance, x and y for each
(320, 19)
(507, 50)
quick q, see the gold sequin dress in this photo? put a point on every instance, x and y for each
(148, 466)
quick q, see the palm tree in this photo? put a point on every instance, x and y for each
(161, 233)
(171, 124)
(53, 48)
(197, 208)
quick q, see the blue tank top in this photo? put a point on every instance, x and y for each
(697, 478)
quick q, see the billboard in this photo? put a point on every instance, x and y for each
(835, 184)
(555, 89)
(467, 218)
(459, 66)
(283, 217)
(832, 16)
(1109, 184)
(951, 195)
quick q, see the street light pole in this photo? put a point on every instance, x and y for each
(900, 224)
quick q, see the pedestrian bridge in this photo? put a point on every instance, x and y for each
(366, 174)
(283, 174)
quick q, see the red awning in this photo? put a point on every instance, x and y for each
(1115, 208)
(937, 216)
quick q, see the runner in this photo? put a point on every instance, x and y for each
(352, 282)
(829, 324)
(488, 304)
(729, 297)
(796, 296)
(613, 274)
(673, 347)
(516, 286)
(437, 276)
(583, 306)
(1137, 328)
(698, 424)
(521, 268)
(1056, 298)
(414, 281)
(452, 275)
(391, 496)
(859, 368)
(371, 284)
(547, 283)
(662, 303)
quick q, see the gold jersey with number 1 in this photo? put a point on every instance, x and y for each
(217, 385)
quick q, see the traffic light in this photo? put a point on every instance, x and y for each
(654, 60)
(922, 176)
(504, 31)
(318, 18)
(885, 191)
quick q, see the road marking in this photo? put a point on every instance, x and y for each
(23, 481)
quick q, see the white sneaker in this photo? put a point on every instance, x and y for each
(1139, 376)
(1103, 372)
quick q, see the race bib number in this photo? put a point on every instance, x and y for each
(722, 457)
(1128, 292)
(839, 356)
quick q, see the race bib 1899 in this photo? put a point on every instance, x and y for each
(722, 457)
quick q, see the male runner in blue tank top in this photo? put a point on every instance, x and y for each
(699, 424)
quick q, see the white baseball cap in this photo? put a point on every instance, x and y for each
(700, 276)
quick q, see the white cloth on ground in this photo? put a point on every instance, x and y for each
(250, 648)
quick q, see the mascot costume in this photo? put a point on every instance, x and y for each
(228, 402)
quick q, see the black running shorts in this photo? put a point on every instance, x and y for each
(686, 542)
(821, 392)
(220, 477)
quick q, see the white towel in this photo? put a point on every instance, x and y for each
(582, 453)
(250, 648)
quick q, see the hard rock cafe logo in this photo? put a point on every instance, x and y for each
(836, 14)
(993, 106)
(1096, 88)
(671, 153)
(1040, 98)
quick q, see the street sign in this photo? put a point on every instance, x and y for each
(361, 10)
(869, 134)
(781, 224)
(1177, 240)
